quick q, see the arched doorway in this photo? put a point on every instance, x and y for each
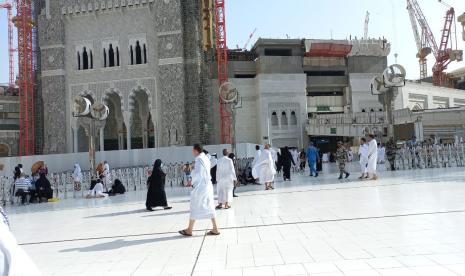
(4, 150)
(83, 140)
(114, 131)
(140, 120)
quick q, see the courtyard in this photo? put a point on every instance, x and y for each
(406, 223)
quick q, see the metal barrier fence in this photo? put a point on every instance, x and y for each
(436, 156)
(133, 178)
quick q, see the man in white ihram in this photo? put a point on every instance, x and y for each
(13, 260)
(226, 175)
(106, 176)
(372, 156)
(202, 203)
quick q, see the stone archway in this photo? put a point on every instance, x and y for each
(141, 121)
(4, 150)
(114, 132)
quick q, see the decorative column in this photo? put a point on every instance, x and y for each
(145, 131)
(75, 139)
(127, 121)
(102, 139)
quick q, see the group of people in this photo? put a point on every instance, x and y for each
(37, 187)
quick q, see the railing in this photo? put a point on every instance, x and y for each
(438, 156)
(133, 178)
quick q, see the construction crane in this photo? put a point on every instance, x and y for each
(222, 61)
(24, 24)
(248, 40)
(426, 43)
(11, 75)
(367, 22)
(461, 19)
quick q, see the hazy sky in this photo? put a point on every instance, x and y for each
(319, 19)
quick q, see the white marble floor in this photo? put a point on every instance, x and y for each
(406, 223)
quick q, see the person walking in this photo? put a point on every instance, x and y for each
(232, 156)
(287, 161)
(77, 177)
(313, 157)
(265, 168)
(202, 203)
(226, 174)
(363, 156)
(391, 152)
(156, 195)
(372, 156)
(341, 158)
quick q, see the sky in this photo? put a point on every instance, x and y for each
(322, 19)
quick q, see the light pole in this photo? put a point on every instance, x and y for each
(230, 97)
(387, 87)
(92, 117)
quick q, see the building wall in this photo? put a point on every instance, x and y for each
(426, 96)
(172, 79)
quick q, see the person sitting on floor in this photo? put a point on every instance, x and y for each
(97, 191)
(117, 188)
(44, 188)
(22, 187)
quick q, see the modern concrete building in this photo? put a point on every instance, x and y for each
(9, 121)
(283, 82)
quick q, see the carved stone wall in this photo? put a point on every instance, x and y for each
(11, 140)
(51, 43)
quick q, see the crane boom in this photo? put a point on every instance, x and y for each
(11, 74)
(248, 40)
(367, 22)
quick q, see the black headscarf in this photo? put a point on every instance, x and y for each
(157, 168)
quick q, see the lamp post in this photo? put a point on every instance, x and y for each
(92, 117)
(230, 97)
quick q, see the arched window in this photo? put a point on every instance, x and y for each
(111, 56)
(91, 60)
(380, 110)
(363, 110)
(372, 110)
(284, 119)
(131, 52)
(293, 118)
(85, 59)
(117, 56)
(104, 58)
(138, 53)
(274, 119)
(145, 54)
(79, 60)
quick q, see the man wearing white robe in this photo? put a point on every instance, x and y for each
(13, 259)
(106, 176)
(372, 156)
(202, 203)
(363, 154)
(265, 168)
(226, 175)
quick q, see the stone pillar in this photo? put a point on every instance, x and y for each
(145, 130)
(120, 134)
(127, 121)
(75, 139)
(102, 139)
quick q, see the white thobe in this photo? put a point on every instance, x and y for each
(381, 155)
(202, 205)
(13, 260)
(256, 157)
(363, 152)
(274, 154)
(225, 175)
(264, 168)
(97, 191)
(106, 176)
(372, 156)
(77, 174)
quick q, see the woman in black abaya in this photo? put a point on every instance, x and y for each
(156, 196)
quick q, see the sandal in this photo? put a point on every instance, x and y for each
(168, 208)
(219, 207)
(184, 233)
(211, 233)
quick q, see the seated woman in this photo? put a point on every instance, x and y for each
(117, 188)
(44, 189)
(97, 191)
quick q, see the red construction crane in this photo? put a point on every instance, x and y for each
(222, 60)
(9, 6)
(443, 53)
(24, 24)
